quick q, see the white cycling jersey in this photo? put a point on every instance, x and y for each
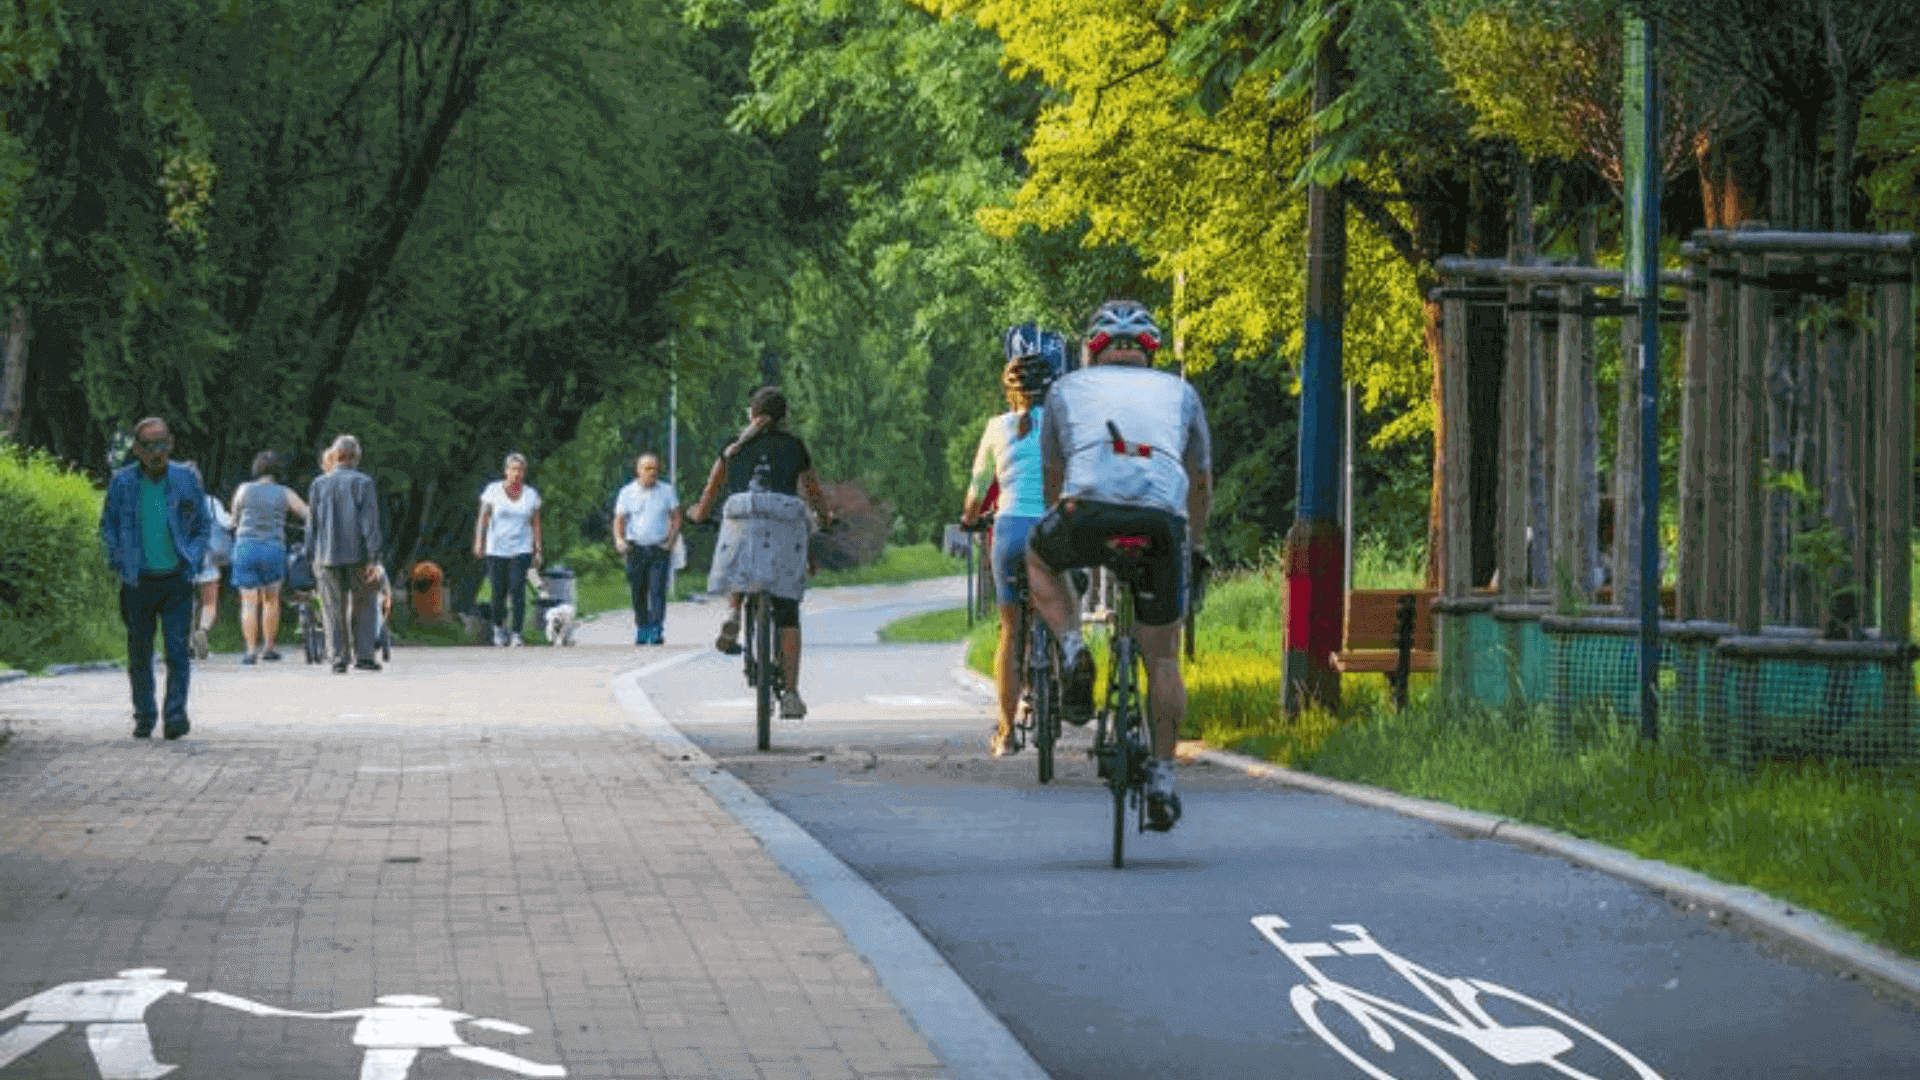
(1126, 435)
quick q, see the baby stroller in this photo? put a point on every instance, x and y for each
(306, 605)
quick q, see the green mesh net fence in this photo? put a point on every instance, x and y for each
(1781, 696)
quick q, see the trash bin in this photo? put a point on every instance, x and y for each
(559, 582)
(426, 591)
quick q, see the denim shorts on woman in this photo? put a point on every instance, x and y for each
(1010, 554)
(258, 564)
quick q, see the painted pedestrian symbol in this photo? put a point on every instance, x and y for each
(113, 1012)
(398, 1026)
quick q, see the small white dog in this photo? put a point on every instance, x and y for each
(562, 621)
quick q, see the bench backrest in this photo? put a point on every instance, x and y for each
(1373, 614)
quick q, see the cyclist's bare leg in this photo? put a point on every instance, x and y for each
(790, 656)
(1008, 669)
(1166, 688)
(1052, 597)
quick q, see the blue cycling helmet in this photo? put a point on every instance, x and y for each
(1021, 341)
(1122, 318)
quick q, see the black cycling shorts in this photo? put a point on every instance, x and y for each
(1074, 533)
(786, 613)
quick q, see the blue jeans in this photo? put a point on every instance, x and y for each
(647, 587)
(507, 575)
(169, 601)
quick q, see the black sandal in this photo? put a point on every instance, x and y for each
(729, 640)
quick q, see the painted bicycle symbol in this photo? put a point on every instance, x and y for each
(1463, 1014)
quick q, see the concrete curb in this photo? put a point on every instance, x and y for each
(970, 1041)
(1768, 915)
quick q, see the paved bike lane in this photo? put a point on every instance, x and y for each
(1158, 970)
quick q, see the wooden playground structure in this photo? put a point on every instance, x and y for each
(1792, 544)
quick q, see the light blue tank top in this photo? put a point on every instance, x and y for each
(1016, 463)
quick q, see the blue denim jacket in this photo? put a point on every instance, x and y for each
(187, 520)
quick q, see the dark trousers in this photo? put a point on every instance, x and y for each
(168, 601)
(647, 585)
(507, 576)
(346, 594)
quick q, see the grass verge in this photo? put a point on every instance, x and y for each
(927, 627)
(1839, 840)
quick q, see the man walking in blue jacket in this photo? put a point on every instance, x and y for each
(154, 528)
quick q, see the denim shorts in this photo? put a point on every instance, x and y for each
(258, 564)
(1010, 533)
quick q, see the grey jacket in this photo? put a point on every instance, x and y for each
(345, 526)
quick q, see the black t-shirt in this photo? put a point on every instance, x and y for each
(776, 457)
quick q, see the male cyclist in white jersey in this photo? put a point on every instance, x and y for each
(1125, 452)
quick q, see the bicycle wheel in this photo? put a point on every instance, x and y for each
(760, 627)
(1121, 766)
(1372, 1022)
(1042, 713)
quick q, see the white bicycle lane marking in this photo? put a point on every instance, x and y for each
(1462, 1014)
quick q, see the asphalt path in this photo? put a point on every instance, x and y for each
(1159, 970)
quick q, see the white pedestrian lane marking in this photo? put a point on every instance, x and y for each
(912, 699)
(398, 1026)
(1463, 1015)
(732, 703)
(113, 1012)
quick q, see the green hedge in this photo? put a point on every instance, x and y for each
(57, 596)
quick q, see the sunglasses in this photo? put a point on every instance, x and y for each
(153, 446)
(1100, 342)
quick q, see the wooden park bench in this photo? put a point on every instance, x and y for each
(1370, 644)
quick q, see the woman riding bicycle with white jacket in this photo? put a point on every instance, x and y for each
(1009, 454)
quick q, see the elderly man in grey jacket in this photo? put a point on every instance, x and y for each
(344, 545)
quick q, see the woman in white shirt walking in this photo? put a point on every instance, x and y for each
(506, 533)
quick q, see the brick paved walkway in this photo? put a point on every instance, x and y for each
(478, 825)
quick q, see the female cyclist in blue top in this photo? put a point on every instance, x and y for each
(1009, 454)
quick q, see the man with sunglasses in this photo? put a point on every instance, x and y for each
(154, 527)
(1125, 452)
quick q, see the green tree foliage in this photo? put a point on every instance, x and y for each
(451, 228)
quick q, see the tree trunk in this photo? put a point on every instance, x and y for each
(1733, 179)
(13, 374)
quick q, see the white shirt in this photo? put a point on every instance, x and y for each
(649, 511)
(510, 529)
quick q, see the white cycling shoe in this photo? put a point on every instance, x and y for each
(1163, 802)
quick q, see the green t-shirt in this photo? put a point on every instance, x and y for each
(155, 537)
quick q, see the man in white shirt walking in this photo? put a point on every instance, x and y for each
(646, 521)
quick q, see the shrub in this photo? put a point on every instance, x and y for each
(861, 536)
(57, 595)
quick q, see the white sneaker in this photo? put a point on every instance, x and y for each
(499, 636)
(513, 641)
(791, 707)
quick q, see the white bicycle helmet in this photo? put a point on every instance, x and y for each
(1122, 318)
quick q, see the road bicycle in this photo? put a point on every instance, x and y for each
(1123, 731)
(1463, 1014)
(1036, 719)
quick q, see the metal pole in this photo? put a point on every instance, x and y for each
(1649, 255)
